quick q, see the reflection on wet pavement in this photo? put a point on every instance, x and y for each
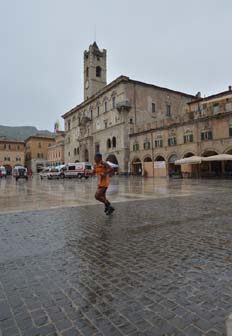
(161, 265)
(36, 194)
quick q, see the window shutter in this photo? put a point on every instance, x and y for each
(210, 135)
(191, 137)
(230, 131)
(202, 136)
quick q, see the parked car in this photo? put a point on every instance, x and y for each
(20, 172)
(50, 173)
(2, 171)
(79, 169)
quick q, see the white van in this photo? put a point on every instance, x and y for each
(50, 173)
(20, 172)
(2, 171)
(78, 169)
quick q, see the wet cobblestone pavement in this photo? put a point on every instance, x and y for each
(159, 266)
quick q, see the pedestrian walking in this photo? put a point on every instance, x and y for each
(103, 170)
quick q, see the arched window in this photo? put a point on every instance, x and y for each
(108, 143)
(113, 142)
(98, 71)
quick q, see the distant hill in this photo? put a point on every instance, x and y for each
(20, 132)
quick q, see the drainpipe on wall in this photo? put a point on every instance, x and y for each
(152, 155)
(135, 104)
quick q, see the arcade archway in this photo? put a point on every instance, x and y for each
(136, 167)
(228, 165)
(173, 170)
(147, 166)
(190, 170)
(211, 168)
(160, 167)
(112, 158)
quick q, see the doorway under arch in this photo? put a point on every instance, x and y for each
(86, 155)
(173, 170)
(190, 170)
(212, 168)
(187, 155)
(136, 167)
(147, 159)
(160, 167)
(159, 158)
(112, 158)
(148, 170)
(228, 165)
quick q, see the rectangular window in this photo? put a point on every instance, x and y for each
(39, 155)
(230, 131)
(135, 147)
(39, 145)
(146, 145)
(153, 107)
(168, 110)
(69, 125)
(188, 138)
(228, 107)
(215, 108)
(7, 146)
(159, 143)
(113, 102)
(105, 106)
(172, 141)
(208, 135)
(98, 110)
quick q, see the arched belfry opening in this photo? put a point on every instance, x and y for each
(98, 71)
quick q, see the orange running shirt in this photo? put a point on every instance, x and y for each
(104, 181)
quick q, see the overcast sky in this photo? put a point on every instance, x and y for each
(185, 45)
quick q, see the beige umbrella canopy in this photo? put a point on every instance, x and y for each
(189, 160)
(219, 157)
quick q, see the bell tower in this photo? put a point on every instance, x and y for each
(94, 70)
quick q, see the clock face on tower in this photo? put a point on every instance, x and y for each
(87, 84)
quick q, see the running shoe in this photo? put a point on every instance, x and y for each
(110, 210)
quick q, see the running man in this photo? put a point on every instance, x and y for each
(104, 171)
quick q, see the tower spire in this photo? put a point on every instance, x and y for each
(95, 32)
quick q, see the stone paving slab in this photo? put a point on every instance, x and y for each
(156, 267)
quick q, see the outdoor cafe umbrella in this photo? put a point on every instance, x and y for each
(189, 160)
(219, 157)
